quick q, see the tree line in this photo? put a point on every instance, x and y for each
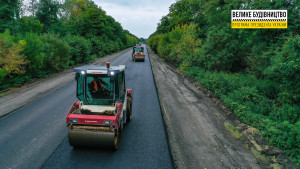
(46, 36)
(256, 72)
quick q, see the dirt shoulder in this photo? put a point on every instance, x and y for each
(32, 92)
(196, 126)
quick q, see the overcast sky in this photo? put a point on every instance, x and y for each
(139, 17)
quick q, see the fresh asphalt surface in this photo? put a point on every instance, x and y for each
(36, 135)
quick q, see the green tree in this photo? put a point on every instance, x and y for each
(9, 12)
(81, 49)
(47, 13)
(11, 61)
(29, 24)
(57, 52)
(188, 45)
(285, 69)
(34, 52)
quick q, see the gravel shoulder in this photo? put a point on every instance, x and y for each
(32, 92)
(195, 125)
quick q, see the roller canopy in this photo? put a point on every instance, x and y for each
(93, 69)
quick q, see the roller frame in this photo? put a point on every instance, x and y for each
(86, 133)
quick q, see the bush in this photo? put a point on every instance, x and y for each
(29, 24)
(97, 47)
(131, 40)
(179, 45)
(164, 48)
(34, 52)
(154, 42)
(12, 62)
(186, 44)
(251, 98)
(15, 81)
(284, 135)
(285, 69)
(81, 49)
(57, 52)
(220, 51)
(287, 112)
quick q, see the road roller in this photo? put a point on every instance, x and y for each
(138, 53)
(103, 108)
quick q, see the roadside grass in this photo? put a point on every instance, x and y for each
(259, 156)
(276, 166)
(257, 103)
(234, 131)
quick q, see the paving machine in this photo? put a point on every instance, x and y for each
(104, 107)
(138, 53)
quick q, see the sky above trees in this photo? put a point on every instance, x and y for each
(138, 17)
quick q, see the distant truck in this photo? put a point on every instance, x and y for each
(104, 107)
(138, 53)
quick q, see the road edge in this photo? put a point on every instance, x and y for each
(174, 151)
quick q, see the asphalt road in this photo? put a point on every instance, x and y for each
(36, 136)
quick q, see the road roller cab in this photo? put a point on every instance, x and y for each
(104, 106)
(138, 53)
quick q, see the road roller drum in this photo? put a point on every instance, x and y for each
(92, 138)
